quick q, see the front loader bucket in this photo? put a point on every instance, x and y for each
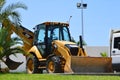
(91, 64)
(12, 65)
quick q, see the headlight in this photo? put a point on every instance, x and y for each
(71, 45)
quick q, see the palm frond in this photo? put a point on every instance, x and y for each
(9, 11)
(1, 49)
(15, 6)
(14, 51)
(16, 17)
(2, 3)
(3, 36)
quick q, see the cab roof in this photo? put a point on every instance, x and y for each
(55, 24)
(51, 24)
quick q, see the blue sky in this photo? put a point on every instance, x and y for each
(99, 18)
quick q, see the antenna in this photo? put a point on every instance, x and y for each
(69, 19)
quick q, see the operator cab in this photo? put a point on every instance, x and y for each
(46, 32)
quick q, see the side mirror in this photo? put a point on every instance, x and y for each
(119, 45)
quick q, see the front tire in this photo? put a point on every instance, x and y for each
(54, 65)
(32, 65)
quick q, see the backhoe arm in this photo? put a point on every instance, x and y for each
(25, 34)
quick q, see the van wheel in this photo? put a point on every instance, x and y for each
(32, 65)
(54, 65)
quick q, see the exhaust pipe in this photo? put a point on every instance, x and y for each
(81, 44)
(81, 41)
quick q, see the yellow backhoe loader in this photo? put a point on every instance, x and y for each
(51, 49)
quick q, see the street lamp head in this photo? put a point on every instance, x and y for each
(84, 5)
(78, 5)
(81, 6)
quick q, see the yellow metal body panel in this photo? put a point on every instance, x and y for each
(26, 35)
(35, 51)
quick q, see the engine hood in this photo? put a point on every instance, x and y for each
(67, 46)
(63, 43)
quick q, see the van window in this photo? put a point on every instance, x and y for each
(116, 41)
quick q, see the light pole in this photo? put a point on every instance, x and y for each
(82, 6)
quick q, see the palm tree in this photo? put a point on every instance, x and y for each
(8, 47)
(7, 44)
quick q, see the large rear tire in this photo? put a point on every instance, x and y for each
(32, 65)
(54, 65)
